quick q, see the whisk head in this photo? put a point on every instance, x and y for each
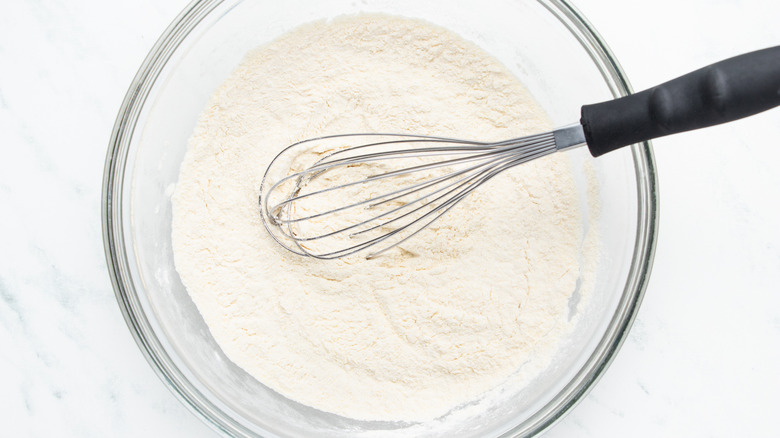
(333, 196)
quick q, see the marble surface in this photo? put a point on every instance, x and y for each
(701, 359)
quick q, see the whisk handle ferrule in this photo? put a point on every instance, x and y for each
(569, 137)
(722, 92)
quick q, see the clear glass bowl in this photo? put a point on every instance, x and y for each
(546, 43)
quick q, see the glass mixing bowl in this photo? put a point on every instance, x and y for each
(546, 43)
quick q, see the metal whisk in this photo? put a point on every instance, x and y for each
(333, 196)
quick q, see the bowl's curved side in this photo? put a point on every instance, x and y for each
(645, 241)
(114, 242)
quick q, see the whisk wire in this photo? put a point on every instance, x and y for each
(318, 167)
(466, 165)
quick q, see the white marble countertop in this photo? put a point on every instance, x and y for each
(702, 358)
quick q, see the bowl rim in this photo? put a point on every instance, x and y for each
(213, 415)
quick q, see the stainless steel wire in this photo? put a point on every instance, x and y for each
(377, 191)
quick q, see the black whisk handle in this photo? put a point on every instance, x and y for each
(722, 92)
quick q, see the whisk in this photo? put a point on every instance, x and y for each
(333, 196)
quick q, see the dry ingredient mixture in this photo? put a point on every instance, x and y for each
(427, 327)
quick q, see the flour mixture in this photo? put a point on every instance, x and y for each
(427, 327)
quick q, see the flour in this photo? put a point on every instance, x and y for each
(414, 333)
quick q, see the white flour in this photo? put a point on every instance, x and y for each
(413, 334)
